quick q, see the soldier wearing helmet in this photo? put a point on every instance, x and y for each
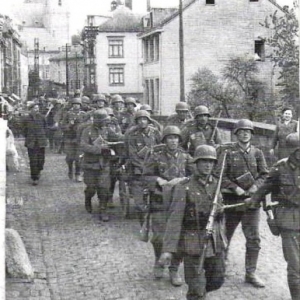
(244, 173)
(186, 227)
(200, 131)
(128, 115)
(167, 165)
(181, 116)
(95, 143)
(284, 185)
(155, 123)
(71, 120)
(139, 142)
(99, 101)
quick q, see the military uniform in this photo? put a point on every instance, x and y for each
(195, 135)
(167, 165)
(139, 143)
(126, 120)
(70, 125)
(185, 232)
(175, 121)
(283, 182)
(96, 162)
(243, 169)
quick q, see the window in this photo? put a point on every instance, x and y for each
(259, 50)
(116, 75)
(210, 2)
(115, 48)
(59, 2)
(254, 0)
(151, 48)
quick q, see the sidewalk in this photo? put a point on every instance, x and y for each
(76, 256)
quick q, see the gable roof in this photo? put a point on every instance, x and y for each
(185, 5)
(123, 20)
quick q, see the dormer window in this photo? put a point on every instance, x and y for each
(210, 2)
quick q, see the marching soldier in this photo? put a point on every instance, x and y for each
(139, 142)
(283, 181)
(99, 101)
(200, 131)
(189, 212)
(95, 143)
(128, 116)
(117, 104)
(180, 117)
(166, 167)
(70, 124)
(155, 123)
(244, 172)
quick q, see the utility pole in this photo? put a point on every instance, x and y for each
(181, 54)
(67, 48)
(76, 70)
(36, 68)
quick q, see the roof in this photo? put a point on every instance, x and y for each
(123, 20)
(45, 38)
(71, 55)
(185, 5)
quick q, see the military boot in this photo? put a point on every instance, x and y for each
(158, 270)
(88, 204)
(175, 278)
(251, 263)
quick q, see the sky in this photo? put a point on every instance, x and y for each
(80, 8)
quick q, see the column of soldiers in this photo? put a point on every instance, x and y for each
(179, 168)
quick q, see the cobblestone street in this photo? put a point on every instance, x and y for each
(76, 256)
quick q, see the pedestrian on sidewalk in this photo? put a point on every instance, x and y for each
(245, 170)
(283, 182)
(34, 130)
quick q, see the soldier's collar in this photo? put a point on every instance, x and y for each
(247, 150)
(204, 181)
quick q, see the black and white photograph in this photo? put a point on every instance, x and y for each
(149, 149)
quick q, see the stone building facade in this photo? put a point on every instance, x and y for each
(214, 31)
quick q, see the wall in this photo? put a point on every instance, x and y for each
(132, 60)
(212, 35)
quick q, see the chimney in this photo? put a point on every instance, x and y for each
(148, 5)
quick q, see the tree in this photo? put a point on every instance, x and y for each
(209, 90)
(237, 92)
(285, 51)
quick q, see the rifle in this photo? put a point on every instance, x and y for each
(211, 219)
(216, 126)
(145, 229)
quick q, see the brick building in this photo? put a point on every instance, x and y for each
(214, 31)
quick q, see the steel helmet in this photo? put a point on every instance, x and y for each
(101, 115)
(146, 107)
(76, 101)
(99, 97)
(201, 110)
(182, 106)
(116, 98)
(142, 113)
(171, 130)
(85, 99)
(292, 140)
(130, 100)
(243, 124)
(109, 111)
(205, 152)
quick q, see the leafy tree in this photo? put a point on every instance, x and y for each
(285, 51)
(237, 92)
